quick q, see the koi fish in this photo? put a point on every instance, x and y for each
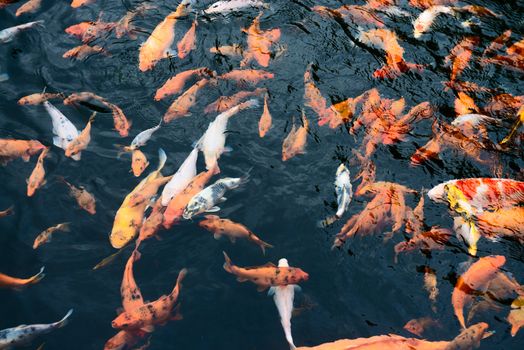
(131, 294)
(175, 84)
(387, 40)
(45, 236)
(184, 175)
(130, 215)
(31, 6)
(83, 51)
(212, 143)
(295, 141)
(125, 24)
(264, 124)
(175, 208)
(89, 31)
(475, 279)
(465, 105)
(247, 76)
(188, 42)
(224, 103)
(225, 7)
(11, 149)
(121, 123)
(420, 325)
(233, 230)
(24, 334)
(37, 177)
(314, 99)
(125, 340)
(7, 35)
(180, 107)
(434, 239)
(430, 285)
(426, 18)
(79, 3)
(233, 51)
(143, 137)
(460, 56)
(13, 282)
(152, 223)
(84, 199)
(516, 315)
(7, 212)
(81, 142)
(267, 275)
(39, 98)
(64, 130)
(206, 200)
(284, 297)
(505, 222)
(259, 43)
(157, 46)
(148, 315)
(344, 192)
(139, 162)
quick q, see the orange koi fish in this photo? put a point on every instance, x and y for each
(267, 275)
(475, 279)
(386, 40)
(83, 51)
(148, 315)
(79, 3)
(233, 230)
(224, 103)
(175, 84)
(157, 46)
(314, 99)
(188, 42)
(31, 6)
(45, 236)
(139, 162)
(89, 31)
(176, 206)
(13, 282)
(152, 223)
(434, 239)
(295, 141)
(180, 107)
(121, 123)
(460, 56)
(465, 104)
(81, 142)
(84, 199)
(39, 98)
(264, 124)
(247, 76)
(37, 177)
(259, 43)
(420, 325)
(12, 149)
(430, 285)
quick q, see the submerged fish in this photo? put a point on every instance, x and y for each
(212, 143)
(24, 334)
(13, 282)
(206, 200)
(64, 130)
(12, 149)
(233, 230)
(83, 51)
(84, 199)
(45, 236)
(188, 42)
(7, 35)
(175, 84)
(295, 141)
(39, 98)
(284, 297)
(81, 142)
(264, 124)
(37, 177)
(225, 7)
(427, 17)
(267, 275)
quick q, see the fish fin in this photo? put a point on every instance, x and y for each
(178, 315)
(148, 329)
(269, 264)
(261, 288)
(38, 277)
(271, 291)
(162, 158)
(63, 322)
(232, 239)
(217, 236)
(221, 200)
(77, 156)
(213, 210)
(65, 227)
(227, 149)
(242, 279)
(228, 264)
(263, 245)
(9, 211)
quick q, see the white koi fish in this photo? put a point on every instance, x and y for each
(182, 178)
(427, 17)
(23, 334)
(8, 34)
(283, 297)
(144, 136)
(344, 190)
(225, 7)
(212, 143)
(64, 130)
(206, 200)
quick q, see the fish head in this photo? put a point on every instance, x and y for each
(90, 207)
(72, 150)
(438, 193)
(299, 275)
(414, 327)
(139, 162)
(80, 29)
(209, 223)
(34, 147)
(122, 321)
(192, 209)
(31, 188)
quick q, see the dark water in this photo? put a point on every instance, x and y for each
(355, 293)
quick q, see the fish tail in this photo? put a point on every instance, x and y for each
(63, 322)
(92, 118)
(327, 221)
(162, 156)
(228, 265)
(263, 245)
(36, 278)
(64, 227)
(9, 211)
(181, 275)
